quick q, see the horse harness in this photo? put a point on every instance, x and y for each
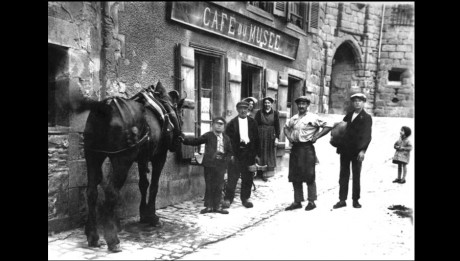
(125, 120)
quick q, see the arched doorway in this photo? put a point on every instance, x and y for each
(343, 77)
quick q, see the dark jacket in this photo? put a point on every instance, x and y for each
(358, 134)
(210, 149)
(276, 123)
(233, 131)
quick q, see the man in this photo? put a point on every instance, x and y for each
(352, 149)
(217, 153)
(244, 137)
(302, 131)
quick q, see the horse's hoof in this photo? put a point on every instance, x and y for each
(96, 243)
(115, 249)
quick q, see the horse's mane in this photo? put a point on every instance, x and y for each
(161, 91)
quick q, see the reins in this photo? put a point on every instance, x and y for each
(146, 137)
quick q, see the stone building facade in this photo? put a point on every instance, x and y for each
(216, 53)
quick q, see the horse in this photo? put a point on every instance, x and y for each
(125, 131)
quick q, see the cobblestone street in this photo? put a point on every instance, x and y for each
(267, 231)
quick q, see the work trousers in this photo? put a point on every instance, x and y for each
(298, 191)
(234, 171)
(356, 165)
(214, 180)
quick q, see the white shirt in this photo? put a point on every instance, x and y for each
(302, 129)
(220, 142)
(243, 128)
(354, 116)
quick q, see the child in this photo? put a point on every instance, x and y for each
(403, 147)
(218, 151)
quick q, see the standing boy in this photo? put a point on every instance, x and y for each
(218, 151)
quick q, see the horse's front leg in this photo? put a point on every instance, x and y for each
(94, 173)
(143, 182)
(157, 166)
(120, 166)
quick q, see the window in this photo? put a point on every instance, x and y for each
(58, 86)
(264, 5)
(251, 81)
(297, 14)
(394, 76)
(208, 92)
(403, 15)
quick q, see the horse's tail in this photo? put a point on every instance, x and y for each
(78, 103)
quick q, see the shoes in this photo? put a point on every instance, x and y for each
(226, 204)
(396, 180)
(293, 206)
(264, 178)
(340, 204)
(206, 210)
(310, 206)
(402, 181)
(247, 203)
(356, 204)
(221, 211)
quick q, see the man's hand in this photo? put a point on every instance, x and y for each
(180, 138)
(257, 160)
(361, 156)
(313, 139)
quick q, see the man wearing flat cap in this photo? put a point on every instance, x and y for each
(358, 135)
(244, 137)
(303, 130)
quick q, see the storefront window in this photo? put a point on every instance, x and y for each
(208, 85)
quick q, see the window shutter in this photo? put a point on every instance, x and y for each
(186, 60)
(283, 110)
(280, 9)
(313, 17)
(234, 87)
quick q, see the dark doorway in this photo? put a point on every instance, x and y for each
(58, 86)
(251, 82)
(342, 78)
(294, 91)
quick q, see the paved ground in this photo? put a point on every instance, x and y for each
(267, 231)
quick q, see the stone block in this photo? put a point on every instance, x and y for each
(346, 24)
(388, 48)
(407, 62)
(404, 48)
(63, 33)
(77, 173)
(397, 55)
(409, 56)
(326, 90)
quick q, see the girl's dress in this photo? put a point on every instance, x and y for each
(402, 156)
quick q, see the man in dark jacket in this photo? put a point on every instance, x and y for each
(354, 144)
(244, 137)
(217, 153)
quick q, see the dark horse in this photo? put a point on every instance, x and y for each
(126, 130)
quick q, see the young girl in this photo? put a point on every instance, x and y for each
(403, 147)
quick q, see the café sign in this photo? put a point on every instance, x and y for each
(232, 25)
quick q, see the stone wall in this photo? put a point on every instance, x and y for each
(396, 99)
(358, 26)
(74, 27)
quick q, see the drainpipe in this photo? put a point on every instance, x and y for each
(377, 78)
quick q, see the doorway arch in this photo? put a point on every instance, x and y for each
(346, 63)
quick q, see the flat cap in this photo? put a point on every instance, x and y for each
(358, 95)
(268, 98)
(219, 119)
(242, 104)
(303, 98)
(250, 99)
